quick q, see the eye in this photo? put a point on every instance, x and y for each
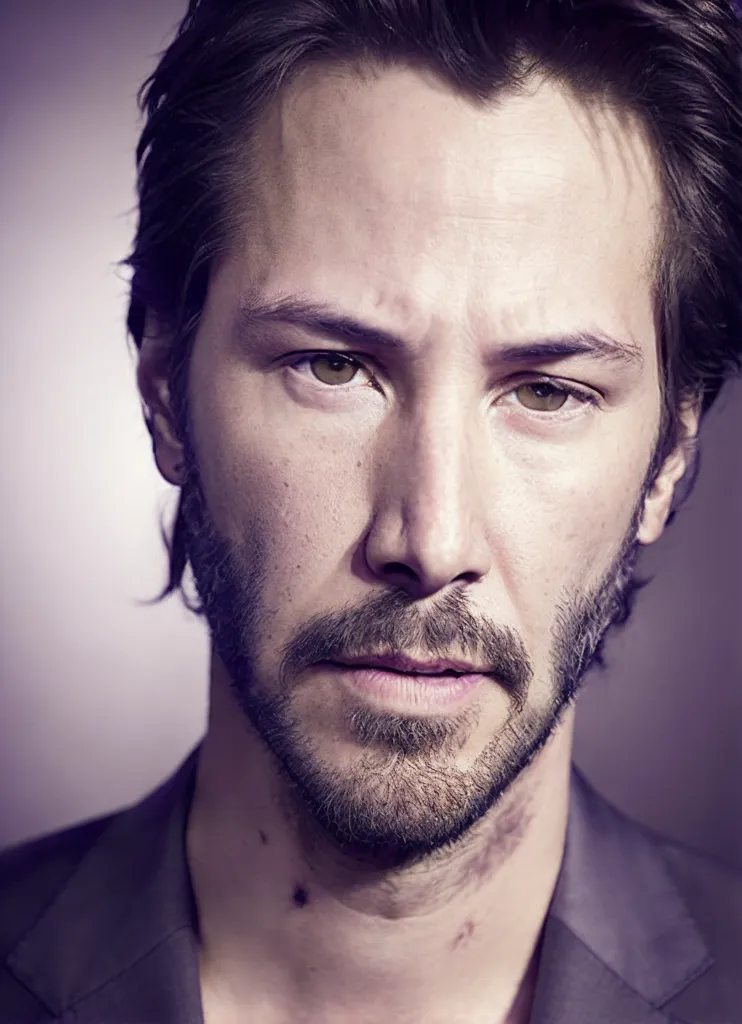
(333, 367)
(546, 396)
(336, 370)
(333, 370)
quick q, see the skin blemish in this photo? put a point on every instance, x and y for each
(463, 937)
(502, 841)
(301, 896)
(263, 837)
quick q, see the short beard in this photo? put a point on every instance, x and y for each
(407, 736)
(403, 798)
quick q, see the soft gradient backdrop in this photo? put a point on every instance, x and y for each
(101, 698)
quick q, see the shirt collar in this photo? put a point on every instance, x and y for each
(120, 940)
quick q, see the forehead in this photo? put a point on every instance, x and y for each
(393, 191)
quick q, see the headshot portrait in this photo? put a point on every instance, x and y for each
(373, 550)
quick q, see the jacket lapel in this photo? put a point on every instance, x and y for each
(618, 942)
(127, 916)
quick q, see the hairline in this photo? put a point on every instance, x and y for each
(236, 209)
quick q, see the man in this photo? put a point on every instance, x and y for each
(431, 299)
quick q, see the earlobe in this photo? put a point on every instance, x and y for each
(167, 449)
(152, 380)
(658, 501)
(656, 510)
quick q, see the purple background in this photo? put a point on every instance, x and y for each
(101, 698)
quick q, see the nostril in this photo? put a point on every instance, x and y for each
(392, 568)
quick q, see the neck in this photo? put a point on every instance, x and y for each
(283, 911)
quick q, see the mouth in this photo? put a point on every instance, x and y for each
(404, 685)
(407, 666)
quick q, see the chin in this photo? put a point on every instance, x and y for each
(403, 792)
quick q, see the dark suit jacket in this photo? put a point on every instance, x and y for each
(98, 923)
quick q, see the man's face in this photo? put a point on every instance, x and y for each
(428, 498)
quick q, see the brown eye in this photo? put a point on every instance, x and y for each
(548, 397)
(331, 369)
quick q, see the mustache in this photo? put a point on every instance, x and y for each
(389, 620)
(392, 621)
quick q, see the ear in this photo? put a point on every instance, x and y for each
(659, 499)
(152, 380)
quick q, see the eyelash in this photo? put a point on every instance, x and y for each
(583, 397)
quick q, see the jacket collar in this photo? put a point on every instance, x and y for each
(120, 941)
(602, 958)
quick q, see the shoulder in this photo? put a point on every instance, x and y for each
(712, 889)
(84, 903)
(711, 892)
(32, 873)
(664, 914)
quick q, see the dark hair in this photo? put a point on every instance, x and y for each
(674, 64)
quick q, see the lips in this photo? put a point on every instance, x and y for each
(408, 686)
(411, 666)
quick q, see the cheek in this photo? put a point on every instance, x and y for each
(303, 502)
(261, 471)
(572, 517)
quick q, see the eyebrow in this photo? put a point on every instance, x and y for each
(320, 318)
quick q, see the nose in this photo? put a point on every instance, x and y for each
(429, 528)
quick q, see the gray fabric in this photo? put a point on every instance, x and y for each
(98, 923)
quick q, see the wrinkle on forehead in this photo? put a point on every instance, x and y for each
(458, 211)
(334, 123)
